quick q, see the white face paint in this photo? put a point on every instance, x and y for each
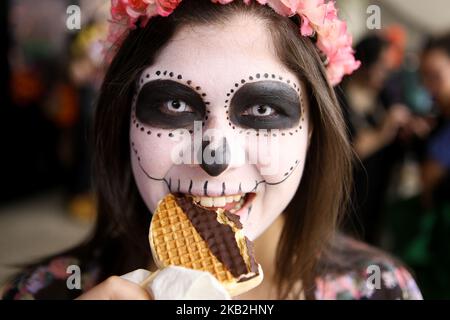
(229, 78)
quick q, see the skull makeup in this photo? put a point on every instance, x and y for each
(219, 97)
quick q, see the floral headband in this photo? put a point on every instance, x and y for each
(318, 18)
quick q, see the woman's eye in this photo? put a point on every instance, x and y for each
(260, 110)
(177, 106)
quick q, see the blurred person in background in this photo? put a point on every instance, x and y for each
(436, 77)
(435, 70)
(374, 126)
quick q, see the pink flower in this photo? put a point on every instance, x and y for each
(337, 70)
(161, 7)
(127, 11)
(118, 9)
(336, 43)
(282, 7)
(131, 10)
(317, 17)
(314, 14)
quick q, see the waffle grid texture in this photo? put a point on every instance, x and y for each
(176, 242)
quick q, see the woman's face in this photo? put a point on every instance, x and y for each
(219, 118)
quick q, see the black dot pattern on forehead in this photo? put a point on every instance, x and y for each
(267, 76)
(170, 74)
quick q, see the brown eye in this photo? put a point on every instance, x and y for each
(260, 110)
(177, 106)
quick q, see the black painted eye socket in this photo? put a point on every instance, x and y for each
(265, 105)
(167, 104)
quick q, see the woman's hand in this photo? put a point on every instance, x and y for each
(116, 288)
(369, 141)
(397, 117)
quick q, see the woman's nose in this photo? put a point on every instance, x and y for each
(215, 159)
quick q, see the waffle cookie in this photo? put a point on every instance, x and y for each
(185, 234)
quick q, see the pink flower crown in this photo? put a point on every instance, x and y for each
(318, 18)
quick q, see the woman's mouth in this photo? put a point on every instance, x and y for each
(236, 204)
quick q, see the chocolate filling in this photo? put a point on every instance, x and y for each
(251, 254)
(219, 237)
(234, 218)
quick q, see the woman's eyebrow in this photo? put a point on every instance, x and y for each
(161, 90)
(268, 92)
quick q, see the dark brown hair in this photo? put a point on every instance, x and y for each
(120, 237)
(438, 43)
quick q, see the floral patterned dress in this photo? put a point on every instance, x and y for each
(49, 282)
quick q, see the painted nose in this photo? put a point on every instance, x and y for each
(215, 160)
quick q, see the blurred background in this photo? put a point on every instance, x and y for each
(397, 108)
